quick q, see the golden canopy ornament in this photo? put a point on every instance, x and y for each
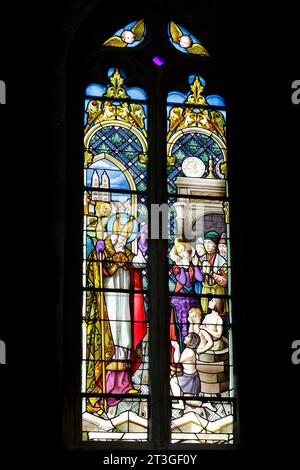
(183, 118)
(107, 110)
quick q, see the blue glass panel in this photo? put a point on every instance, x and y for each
(215, 100)
(95, 90)
(180, 98)
(176, 97)
(137, 93)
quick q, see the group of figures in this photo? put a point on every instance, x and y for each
(203, 335)
(197, 323)
(115, 315)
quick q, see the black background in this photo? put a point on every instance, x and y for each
(262, 54)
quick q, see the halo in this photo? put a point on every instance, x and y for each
(123, 219)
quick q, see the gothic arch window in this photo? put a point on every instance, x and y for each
(199, 268)
(115, 330)
(156, 355)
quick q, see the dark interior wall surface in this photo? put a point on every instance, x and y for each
(44, 51)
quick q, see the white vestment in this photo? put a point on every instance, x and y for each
(118, 308)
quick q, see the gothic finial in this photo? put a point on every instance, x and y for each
(195, 97)
(116, 90)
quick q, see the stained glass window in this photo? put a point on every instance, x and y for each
(184, 41)
(116, 397)
(129, 36)
(201, 378)
(115, 388)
